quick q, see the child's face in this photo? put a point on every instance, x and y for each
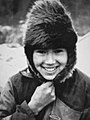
(50, 62)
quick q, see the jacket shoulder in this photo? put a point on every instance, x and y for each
(21, 76)
(82, 76)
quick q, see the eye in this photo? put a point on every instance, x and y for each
(57, 51)
(41, 51)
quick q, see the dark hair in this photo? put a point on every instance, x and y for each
(49, 25)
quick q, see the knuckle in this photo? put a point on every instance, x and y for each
(52, 95)
(49, 90)
(54, 98)
(38, 88)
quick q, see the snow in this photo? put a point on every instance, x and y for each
(12, 60)
(83, 54)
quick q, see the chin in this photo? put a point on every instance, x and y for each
(49, 78)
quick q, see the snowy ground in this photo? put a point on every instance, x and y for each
(12, 59)
(83, 54)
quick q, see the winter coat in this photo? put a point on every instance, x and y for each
(72, 98)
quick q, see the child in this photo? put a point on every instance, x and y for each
(50, 88)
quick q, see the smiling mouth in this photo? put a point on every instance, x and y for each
(50, 69)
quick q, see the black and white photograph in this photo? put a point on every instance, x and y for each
(44, 60)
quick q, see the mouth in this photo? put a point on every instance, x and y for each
(50, 69)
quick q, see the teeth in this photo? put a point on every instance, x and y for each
(50, 69)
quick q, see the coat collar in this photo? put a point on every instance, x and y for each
(26, 72)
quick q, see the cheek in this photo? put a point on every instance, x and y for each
(62, 59)
(37, 60)
(65, 59)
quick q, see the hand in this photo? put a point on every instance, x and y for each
(42, 96)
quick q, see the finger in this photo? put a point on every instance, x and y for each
(53, 91)
(47, 84)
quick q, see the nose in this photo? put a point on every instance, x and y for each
(50, 59)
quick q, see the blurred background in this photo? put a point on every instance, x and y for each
(12, 16)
